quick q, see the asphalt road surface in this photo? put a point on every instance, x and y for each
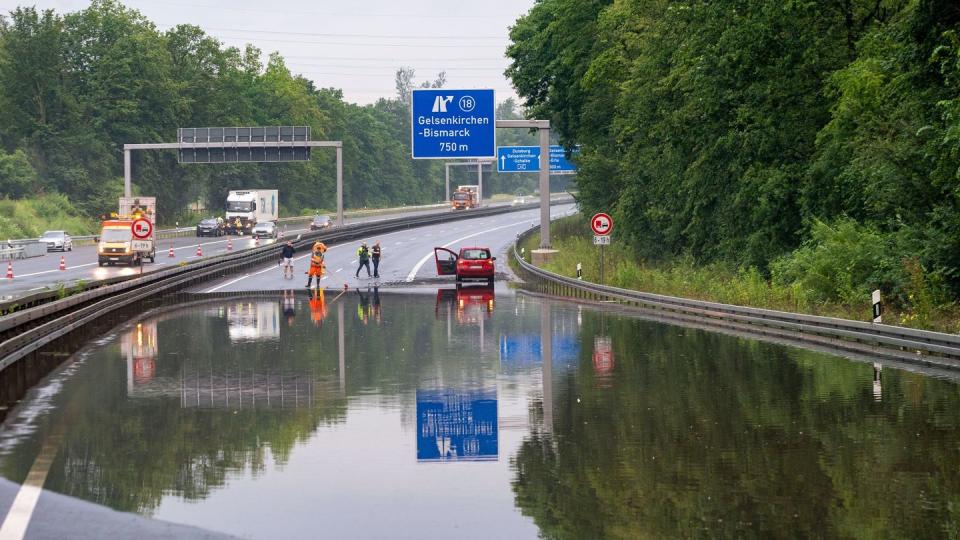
(37, 273)
(407, 255)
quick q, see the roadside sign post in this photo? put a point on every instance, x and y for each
(602, 225)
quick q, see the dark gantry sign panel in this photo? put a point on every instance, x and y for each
(244, 144)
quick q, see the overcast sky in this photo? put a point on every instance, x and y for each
(356, 45)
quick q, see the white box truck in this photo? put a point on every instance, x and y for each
(247, 207)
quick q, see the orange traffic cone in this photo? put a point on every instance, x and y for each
(229, 244)
(10, 270)
(63, 264)
(171, 253)
(199, 251)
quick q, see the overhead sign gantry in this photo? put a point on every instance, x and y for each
(241, 145)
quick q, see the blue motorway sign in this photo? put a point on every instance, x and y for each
(457, 425)
(527, 159)
(449, 124)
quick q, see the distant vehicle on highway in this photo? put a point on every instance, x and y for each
(210, 227)
(473, 263)
(519, 199)
(248, 207)
(321, 222)
(266, 229)
(465, 197)
(57, 240)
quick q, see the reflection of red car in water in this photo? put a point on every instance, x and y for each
(469, 304)
(470, 263)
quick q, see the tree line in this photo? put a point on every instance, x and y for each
(75, 87)
(817, 141)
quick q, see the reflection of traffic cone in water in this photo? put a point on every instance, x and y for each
(63, 264)
(199, 251)
(9, 270)
(171, 253)
(229, 244)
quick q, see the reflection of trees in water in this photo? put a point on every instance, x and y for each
(127, 451)
(704, 435)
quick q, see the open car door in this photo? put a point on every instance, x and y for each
(446, 261)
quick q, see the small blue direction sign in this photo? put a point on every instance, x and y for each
(449, 124)
(518, 158)
(527, 159)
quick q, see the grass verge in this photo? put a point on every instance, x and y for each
(713, 282)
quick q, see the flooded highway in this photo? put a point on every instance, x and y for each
(479, 413)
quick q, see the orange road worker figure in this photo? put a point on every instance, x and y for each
(318, 308)
(317, 267)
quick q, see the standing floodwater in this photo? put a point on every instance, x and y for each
(374, 414)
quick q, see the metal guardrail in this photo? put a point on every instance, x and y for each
(912, 345)
(25, 331)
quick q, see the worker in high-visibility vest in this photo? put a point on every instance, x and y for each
(316, 263)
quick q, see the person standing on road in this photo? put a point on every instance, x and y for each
(363, 256)
(316, 263)
(286, 259)
(376, 259)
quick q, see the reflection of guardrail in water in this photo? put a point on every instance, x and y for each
(26, 330)
(905, 344)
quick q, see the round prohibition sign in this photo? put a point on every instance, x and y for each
(602, 224)
(141, 228)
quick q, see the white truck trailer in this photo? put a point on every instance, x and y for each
(247, 207)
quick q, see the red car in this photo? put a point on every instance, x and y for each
(470, 263)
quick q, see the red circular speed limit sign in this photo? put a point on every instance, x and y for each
(601, 224)
(141, 228)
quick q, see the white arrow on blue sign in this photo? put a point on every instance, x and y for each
(448, 124)
(527, 159)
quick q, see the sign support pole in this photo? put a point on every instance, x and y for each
(126, 172)
(479, 183)
(340, 186)
(545, 186)
(446, 191)
(601, 264)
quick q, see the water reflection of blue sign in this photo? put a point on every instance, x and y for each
(456, 425)
(524, 349)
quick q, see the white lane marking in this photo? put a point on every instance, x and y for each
(18, 517)
(36, 289)
(339, 270)
(413, 273)
(231, 282)
(55, 270)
